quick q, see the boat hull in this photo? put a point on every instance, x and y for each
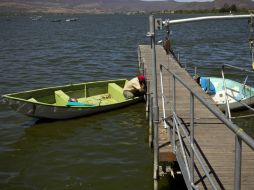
(237, 105)
(60, 112)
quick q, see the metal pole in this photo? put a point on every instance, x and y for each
(151, 130)
(174, 111)
(147, 99)
(192, 138)
(170, 128)
(238, 161)
(227, 108)
(155, 102)
(163, 98)
(178, 21)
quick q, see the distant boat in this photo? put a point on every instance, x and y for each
(70, 101)
(56, 20)
(35, 18)
(71, 19)
(237, 93)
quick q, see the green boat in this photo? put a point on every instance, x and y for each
(237, 93)
(70, 101)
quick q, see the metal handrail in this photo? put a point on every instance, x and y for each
(181, 144)
(224, 17)
(163, 100)
(195, 152)
(238, 131)
(177, 124)
(239, 101)
(239, 68)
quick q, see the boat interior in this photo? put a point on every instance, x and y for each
(234, 90)
(85, 94)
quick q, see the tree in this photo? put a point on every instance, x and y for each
(233, 8)
(225, 8)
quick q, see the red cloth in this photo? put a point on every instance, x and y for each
(141, 78)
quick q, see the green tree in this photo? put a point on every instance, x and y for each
(233, 8)
(225, 8)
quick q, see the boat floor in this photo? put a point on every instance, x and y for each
(102, 99)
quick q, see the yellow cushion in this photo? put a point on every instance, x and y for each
(116, 92)
(61, 98)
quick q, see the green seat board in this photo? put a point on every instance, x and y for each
(116, 92)
(61, 98)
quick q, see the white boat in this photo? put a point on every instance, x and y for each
(237, 93)
(71, 19)
(35, 18)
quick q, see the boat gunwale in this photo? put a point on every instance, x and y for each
(11, 95)
(226, 79)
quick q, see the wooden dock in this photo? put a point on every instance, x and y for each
(214, 140)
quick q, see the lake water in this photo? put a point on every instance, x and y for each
(109, 150)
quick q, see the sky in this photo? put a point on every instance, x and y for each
(192, 0)
(183, 0)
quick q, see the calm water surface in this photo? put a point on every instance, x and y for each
(106, 151)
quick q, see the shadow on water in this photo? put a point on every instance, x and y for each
(171, 182)
(245, 123)
(57, 129)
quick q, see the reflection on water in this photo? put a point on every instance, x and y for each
(105, 151)
(246, 123)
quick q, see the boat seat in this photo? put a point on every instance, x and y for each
(116, 92)
(61, 98)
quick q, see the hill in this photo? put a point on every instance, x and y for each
(110, 6)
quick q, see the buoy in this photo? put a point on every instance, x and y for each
(253, 65)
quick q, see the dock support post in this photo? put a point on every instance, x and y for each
(238, 162)
(151, 33)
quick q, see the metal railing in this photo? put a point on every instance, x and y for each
(155, 109)
(240, 135)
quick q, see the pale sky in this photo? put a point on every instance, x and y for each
(193, 0)
(183, 0)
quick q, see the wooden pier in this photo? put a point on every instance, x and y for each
(214, 141)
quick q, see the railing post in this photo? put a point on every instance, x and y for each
(191, 138)
(170, 128)
(155, 101)
(151, 137)
(227, 108)
(148, 100)
(174, 111)
(163, 97)
(238, 162)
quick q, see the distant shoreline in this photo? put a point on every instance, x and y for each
(166, 12)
